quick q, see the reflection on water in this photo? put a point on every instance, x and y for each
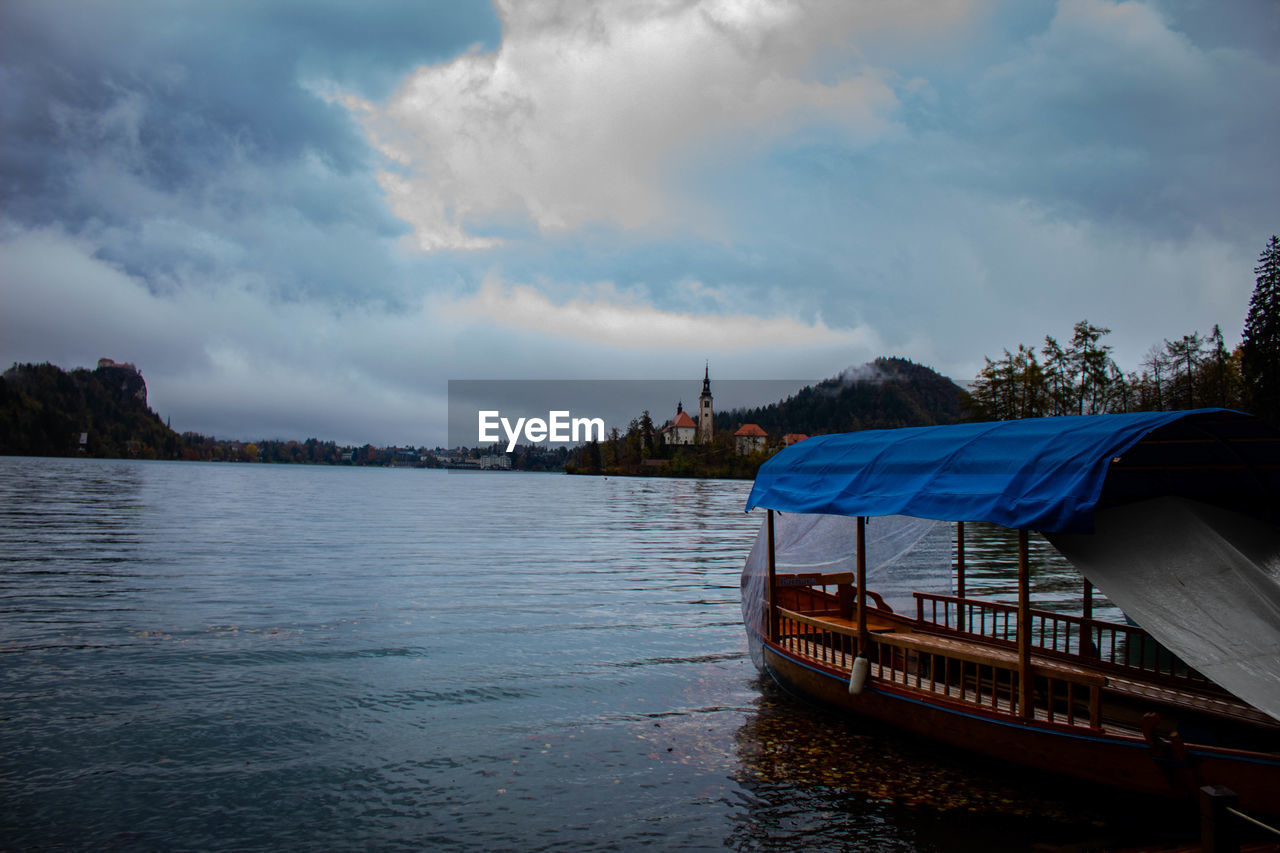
(812, 778)
(869, 763)
(224, 657)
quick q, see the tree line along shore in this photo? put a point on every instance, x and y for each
(103, 413)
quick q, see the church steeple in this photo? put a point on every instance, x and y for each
(705, 416)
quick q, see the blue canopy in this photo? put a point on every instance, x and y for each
(1043, 474)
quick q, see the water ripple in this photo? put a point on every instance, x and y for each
(252, 657)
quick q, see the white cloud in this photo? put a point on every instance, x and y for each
(230, 358)
(587, 111)
(618, 322)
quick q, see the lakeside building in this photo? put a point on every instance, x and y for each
(749, 438)
(682, 430)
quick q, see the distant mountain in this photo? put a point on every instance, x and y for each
(46, 411)
(882, 394)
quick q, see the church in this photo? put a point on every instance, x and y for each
(683, 429)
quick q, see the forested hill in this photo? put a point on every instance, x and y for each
(44, 410)
(882, 394)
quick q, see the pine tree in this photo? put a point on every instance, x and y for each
(1091, 362)
(1218, 381)
(1185, 356)
(646, 434)
(1260, 349)
(1057, 373)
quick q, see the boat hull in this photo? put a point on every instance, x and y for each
(1105, 759)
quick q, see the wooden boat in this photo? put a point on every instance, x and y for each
(1099, 701)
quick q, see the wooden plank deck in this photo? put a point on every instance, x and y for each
(980, 654)
(1218, 706)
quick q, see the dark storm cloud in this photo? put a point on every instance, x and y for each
(1116, 115)
(196, 139)
(294, 213)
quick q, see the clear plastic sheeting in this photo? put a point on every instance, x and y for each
(1204, 581)
(904, 555)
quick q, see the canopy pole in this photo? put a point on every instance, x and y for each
(1087, 648)
(772, 629)
(864, 635)
(1025, 703)
(960, 574)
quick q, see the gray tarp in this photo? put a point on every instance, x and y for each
(1205, 582)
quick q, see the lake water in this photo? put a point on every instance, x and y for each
(250, 657)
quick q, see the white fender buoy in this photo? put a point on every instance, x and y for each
(858, 678)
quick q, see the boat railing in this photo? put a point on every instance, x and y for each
(990, 681)
(973, 676)
(1121, 648)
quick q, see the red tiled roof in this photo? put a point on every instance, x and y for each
(683, 420)
(793, 437)
(750, 429)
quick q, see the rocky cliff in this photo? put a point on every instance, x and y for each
(46, 411)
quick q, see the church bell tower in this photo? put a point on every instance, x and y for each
(705, 426)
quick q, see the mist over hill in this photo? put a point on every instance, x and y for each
(46, 411)
(881, 394)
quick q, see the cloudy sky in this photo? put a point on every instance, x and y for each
(304, 217)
